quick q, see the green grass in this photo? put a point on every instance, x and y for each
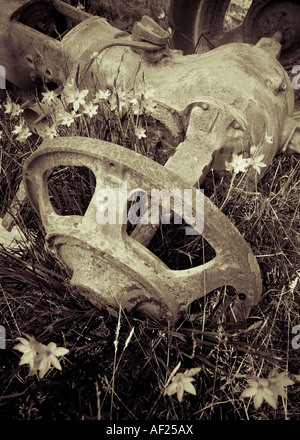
(97, 380)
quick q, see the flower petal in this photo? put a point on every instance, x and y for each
(276, 388)
(258, 399)
(253, 383)
(189, 388)
(180, 392)
(249, 392)
(270, 399)
(44, 363)
(51, 346)
(268, 391)
(185, 380)
(23, 340)
(263, 382)
(54, 361)
(41, 349)
(283, 379)
(192, 371)
(259, 158)
(22, 348)
(286, 382)
(42, 372)
(171, 389)
(60, 351)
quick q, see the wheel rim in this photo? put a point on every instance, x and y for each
(266, 18)
(173, 291)
(203, 29)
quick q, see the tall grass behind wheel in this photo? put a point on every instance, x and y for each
(199, 25)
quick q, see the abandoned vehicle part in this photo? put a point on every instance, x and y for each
(44, 18)
(249, 83)
(37, 37)
(230, 99)
(108, 266)
(32, 41)
(198, 25)
(248, 101)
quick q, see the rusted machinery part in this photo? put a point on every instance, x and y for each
(264, 18)
(198, 25)
(109, 266)
(44, 18)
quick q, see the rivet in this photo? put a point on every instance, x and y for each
(204, 105)
(236, 125)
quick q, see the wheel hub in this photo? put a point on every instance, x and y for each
(264, 20)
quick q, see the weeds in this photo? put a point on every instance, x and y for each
(129, 366)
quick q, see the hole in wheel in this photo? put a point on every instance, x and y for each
(178, 250)
(71, 189)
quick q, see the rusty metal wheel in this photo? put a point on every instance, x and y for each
(198, 25)
(110, 267)
(267, 17)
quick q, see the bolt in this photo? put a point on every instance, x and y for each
(204, 105)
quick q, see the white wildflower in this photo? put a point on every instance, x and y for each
(267, 389)
(237, 165)
(181, 382)
(102, 96)
(12, 108)
(255, 159)
(28, 348)
(49, 97)
(47, 356)
(260, 391)
(24, 134)
(50, 132)
(140, 132)
(38, 356)
(67, 118)
(90, 109)
(18, 129)
(74, 96)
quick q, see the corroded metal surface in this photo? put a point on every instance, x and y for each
(201, 25)
(243, 80)
(239, 79)
(27, 50)
(109, 266)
